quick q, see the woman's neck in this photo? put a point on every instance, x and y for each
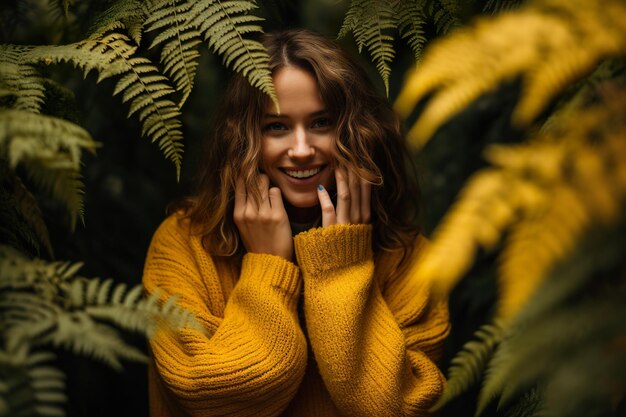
(302, 215)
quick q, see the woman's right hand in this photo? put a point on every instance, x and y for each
(263, 228)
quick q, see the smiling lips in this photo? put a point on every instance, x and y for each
(302, 173)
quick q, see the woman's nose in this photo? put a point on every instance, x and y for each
(301, 147)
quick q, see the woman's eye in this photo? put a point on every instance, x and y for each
(321, 123)
(274, 127)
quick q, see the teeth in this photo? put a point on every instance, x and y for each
(303, 173)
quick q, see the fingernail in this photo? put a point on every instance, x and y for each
(320, 187)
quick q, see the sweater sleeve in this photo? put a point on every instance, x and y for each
(252, 356)
(375, 339)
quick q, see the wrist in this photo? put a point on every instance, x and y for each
(335, 246)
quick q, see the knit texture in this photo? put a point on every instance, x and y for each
(367, 344)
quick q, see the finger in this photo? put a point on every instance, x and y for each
(366, 201)
(343, 197)
(240, 198)
(276, 200)
(328, 210)
(264, 185)
(355, 197)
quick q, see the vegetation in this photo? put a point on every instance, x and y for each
(517, 119)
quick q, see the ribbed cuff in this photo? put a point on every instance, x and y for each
(271, 270)
(340, 245)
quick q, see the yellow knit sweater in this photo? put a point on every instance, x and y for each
(365, 346)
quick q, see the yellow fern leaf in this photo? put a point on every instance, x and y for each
(582, 172)
(548, 44)
(488, 205)
(542, 196)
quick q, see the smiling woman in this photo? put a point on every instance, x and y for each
(297, 143)
(297, 252)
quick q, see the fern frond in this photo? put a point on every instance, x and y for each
(31, 320)
(540, 350)
(128, 309)
(46, 303)
(498, 6)
(445, 15)
(123, 14)
(179, 54)
(81, 334)
(370, 21)
(411, 22)
(223, 25)
(468, 365)
(18, 271)
(50, 149)
(544, 194)
(28, 207)
(142, 85)
(584, 177)
(21, 79)
(530, 405)
(548, 45)
(30, 385)
(569, 395)
(487, 206)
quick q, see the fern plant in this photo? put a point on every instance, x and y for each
(47, 305)
(552, 207)
(548, 44)
(36, 386)
(373, 23)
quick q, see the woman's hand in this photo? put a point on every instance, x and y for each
(354, 199)
(263, 228)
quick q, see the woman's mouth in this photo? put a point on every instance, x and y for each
(302, 174)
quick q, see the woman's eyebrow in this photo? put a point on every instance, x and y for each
(282, 116)
(274, 115)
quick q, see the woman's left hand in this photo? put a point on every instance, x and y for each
(354, 199)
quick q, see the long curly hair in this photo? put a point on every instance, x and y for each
(369, 141)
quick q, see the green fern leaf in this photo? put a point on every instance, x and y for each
(110, 55)
(445, 15)
(50, 150)
(159, 116)
(369, 20)
(136, 314)
(498, 6)
(21, 78)
(179, 54)
(82, 335)
(30, 386)
(530, 405)
(123, 14)
(552, 325)
(223, 24)
(412, 20)
(468, 365)
(21, 221)
(103, 53)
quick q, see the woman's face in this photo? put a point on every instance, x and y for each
(297, 144)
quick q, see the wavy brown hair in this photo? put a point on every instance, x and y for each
(369, 142)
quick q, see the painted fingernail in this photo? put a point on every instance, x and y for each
(320, 187)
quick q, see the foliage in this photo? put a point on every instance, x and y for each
(45, 304)
(36, 387)
(551, 208)
(549, 44)
(373, 22)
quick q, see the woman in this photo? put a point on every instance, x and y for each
(330, 322)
